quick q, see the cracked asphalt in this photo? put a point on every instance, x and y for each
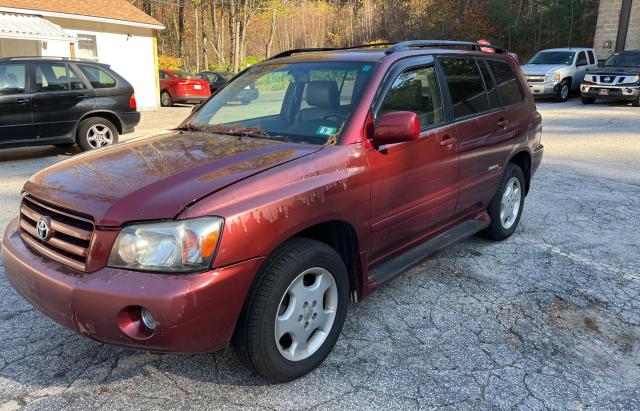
(549, 319)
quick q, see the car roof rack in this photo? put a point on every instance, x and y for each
(288, 53)
(48, 58)
(413, 44)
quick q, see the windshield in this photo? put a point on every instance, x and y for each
(553, 57)
(298, 102)
(623, 60)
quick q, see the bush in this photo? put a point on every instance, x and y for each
(169, 62)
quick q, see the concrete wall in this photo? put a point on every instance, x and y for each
(607, 27)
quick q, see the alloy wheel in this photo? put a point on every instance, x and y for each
(99, 135)
(306, 314)
(510, 204)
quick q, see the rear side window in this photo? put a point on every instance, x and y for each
(52, 77)
(416, 90)
(489, 84)
(75, 81)
(508, 87)
(98, 77)
(12, 78)
(465, 85)
(592, 58)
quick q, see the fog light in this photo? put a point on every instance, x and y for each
(148, 319)
(629, 91)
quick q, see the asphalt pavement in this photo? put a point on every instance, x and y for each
(549, 319)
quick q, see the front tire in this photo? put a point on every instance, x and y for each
(636, 102)
(294, 312)
(506, 207)
(96, 132)
(588, 100)
(563, 91)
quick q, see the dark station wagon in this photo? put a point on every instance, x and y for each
(59, 101)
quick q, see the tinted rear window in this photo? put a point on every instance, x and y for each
(465, 85)
(489, 84)
(508, 87)
(98, 77)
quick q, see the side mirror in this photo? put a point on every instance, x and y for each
(396, 127)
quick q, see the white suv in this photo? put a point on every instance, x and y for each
(556, 72)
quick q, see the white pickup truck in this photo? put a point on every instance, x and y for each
(556, 72)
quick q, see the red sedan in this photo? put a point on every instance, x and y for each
(182, 87)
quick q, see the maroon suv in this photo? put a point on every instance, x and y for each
(254, 224)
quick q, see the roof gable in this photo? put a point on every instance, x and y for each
(120, 10)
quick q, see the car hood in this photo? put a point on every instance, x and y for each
(615, 70)
(541, 69)
(156, 178)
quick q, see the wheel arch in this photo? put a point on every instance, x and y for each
(523, 160)
(109, 115)
(342, 237)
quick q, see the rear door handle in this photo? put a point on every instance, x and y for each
(22, 100)
(79, 96)
(447, 141)
(503, 123)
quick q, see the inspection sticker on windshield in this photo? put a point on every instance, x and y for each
(326, 131)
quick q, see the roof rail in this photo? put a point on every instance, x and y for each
(47, 58)
(288, 53)
(408, 45)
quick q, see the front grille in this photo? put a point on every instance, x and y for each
(535, 79)
(607, 79)
(70, 235)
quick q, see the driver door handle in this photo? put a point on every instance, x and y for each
(503, 123)
(447, 140)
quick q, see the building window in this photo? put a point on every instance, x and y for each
(87, 47)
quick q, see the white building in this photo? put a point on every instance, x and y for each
(109, 31)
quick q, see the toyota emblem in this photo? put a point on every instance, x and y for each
(43, 229)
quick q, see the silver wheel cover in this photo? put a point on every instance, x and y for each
(306, 314)
(510, 203)
(166, 98)
(99, 135)
(565, 91)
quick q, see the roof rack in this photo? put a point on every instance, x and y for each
(408, 45)
(397, 46)
(288, 53)
(47, 58)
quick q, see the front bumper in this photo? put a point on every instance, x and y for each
(544, 89)
(610, 92)
(195, 312)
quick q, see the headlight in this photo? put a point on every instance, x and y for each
(172, 246)
(634, 79)
(554, 76)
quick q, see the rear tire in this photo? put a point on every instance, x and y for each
(506, 207)
(290, 322)
(165, 99)
(563, 91)
(588, 100)
(96, 132)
